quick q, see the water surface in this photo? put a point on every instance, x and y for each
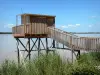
(8, 48)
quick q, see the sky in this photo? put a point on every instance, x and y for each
(71, 15)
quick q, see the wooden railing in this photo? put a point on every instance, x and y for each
(75, 42)
(32, 28)
(70, 40)
(18, 29)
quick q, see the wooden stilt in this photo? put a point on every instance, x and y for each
(46, 45)
(53, 44)
(42, 44)
(18, 55)
(29, 51)
(72, 55)
(39, 46)
(63, 46)
(78, 54)
(34, 44)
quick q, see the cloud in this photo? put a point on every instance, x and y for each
(90, 26)
(77, 24)
(70, 26)
(93, 16)
(9, 26)
(64, 26)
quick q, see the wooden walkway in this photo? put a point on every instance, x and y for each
(75, 42)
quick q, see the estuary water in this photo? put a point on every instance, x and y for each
(8, 48)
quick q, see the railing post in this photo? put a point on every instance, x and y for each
(71, 47)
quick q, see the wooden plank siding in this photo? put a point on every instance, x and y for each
(31, 29)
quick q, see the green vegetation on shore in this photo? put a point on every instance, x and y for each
(52, 64)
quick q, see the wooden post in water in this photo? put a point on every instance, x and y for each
(29, 49)
(18, 53)
(71, 47)
(47, 45)
(53, 43)
(39, 46)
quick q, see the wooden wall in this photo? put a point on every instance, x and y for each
(50, 21)
(32, 28)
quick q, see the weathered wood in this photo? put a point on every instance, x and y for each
(36, 26)
(77, 43)
(33, 24)
(36, 29)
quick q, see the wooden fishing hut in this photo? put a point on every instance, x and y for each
(31, 26)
